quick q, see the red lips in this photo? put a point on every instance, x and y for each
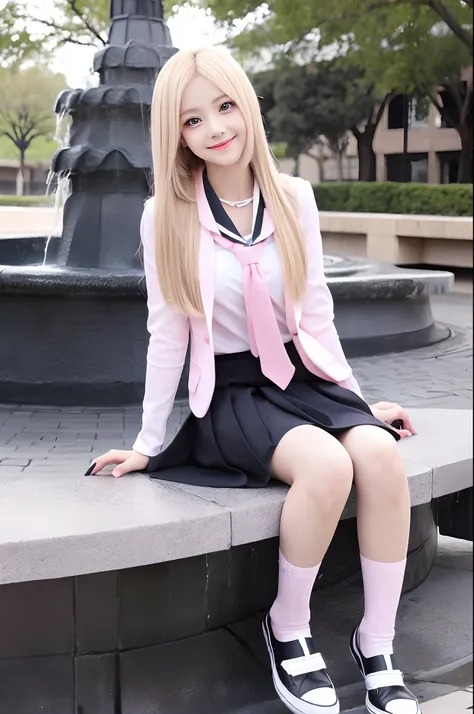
(222, 144)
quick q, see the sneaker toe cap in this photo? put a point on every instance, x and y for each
(402, 706)
(323, 696)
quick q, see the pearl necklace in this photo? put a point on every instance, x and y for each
(237, 204)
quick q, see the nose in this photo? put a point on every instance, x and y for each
(215, 128)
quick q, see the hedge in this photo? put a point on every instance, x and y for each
(358, 197)
(391, 197)
(6, 200)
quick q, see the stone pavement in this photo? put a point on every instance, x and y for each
(454, 703)
(437, 377)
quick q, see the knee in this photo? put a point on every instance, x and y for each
(378, 464)
(327, 477)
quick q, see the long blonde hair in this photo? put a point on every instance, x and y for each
(177, 227)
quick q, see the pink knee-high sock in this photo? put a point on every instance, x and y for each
(382, 589)
(290, 613)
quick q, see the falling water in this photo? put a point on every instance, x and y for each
(63, 188)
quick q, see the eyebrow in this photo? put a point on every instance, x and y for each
(193, 109)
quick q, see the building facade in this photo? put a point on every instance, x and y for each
(35, 177)
(433, 150)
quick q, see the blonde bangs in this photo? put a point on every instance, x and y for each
(177, 227)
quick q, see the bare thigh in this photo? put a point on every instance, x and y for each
(309, 454)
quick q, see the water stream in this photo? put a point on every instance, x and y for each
(63, 188)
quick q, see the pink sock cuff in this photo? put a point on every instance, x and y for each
(381, 563)
(295, 571)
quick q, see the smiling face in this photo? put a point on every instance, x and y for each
(212, 125)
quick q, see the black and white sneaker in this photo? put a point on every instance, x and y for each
(386, 691)
(299, 675)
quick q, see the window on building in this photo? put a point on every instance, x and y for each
(449, 166)
(450, 116)
(419, 170)
(417, 167)
(396, 112)
(414, 109)
(419, 112)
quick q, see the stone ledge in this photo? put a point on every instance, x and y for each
(400, 224)
(62, 524)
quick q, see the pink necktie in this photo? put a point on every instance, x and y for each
(264, 334)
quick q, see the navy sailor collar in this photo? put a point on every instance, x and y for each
(225, 224)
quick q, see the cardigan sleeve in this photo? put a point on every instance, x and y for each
(318, 306)
(169, 337)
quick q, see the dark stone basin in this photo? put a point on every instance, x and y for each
(78, 335)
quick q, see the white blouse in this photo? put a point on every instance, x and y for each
(229, 305)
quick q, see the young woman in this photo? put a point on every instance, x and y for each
(233, 257)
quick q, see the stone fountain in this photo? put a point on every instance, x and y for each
(73, 321)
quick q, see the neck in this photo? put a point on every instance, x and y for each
(232, 183)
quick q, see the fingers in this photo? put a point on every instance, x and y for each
(124, 468)
(101, 462)
(407, 424)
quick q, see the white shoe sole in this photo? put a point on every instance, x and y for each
(295, 705)
(375, 710)
(368, 704)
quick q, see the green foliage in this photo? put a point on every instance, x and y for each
(41, 150)
(391, 197)
(27, 99)
(333, 196)
(78, 22)
(16, 42)
(302, 103)
(366, 25)
(6, 200)
(279, 150)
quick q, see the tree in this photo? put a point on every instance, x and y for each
(305, 105)
(280, 23)
(447, 80)
(27, 101)
(16, 42)
(79, 22)
(355, 104)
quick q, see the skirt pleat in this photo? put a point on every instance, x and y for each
(233, 443)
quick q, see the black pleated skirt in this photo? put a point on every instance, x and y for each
(233, 443)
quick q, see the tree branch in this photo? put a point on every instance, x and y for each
(91, 28)
(28, 140)
(12, 138)
(381, 108)
(63, 40)
(436, 5)
(381, 5)
(437, 104)
(73, 41)
(451, 21)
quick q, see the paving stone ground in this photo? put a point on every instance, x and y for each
(51, 438)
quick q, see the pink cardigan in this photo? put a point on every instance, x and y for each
(310, 323)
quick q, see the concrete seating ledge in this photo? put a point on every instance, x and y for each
(66, 524)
